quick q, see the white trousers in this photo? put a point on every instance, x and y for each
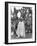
(21, 29)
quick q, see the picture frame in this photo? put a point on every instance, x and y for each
(8, 22)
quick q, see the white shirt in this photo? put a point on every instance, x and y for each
(21, 29)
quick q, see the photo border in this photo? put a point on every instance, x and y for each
(6, 22)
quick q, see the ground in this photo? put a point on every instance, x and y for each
(27, 35)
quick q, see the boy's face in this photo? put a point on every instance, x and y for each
(19, 14)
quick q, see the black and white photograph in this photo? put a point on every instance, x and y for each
(21, 22)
